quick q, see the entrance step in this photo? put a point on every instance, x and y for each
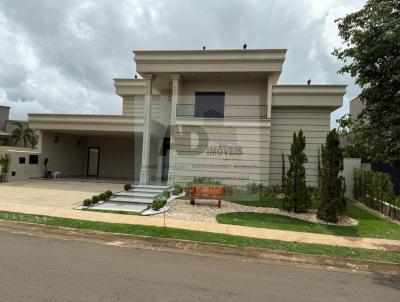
(136, 200)
(138, 194)
(161, 188)
(134, 189)
(140, 197)
(120, 206)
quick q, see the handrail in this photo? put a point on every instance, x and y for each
(254, 111)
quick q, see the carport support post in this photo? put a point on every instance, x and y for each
(174, 101)
(145, 168)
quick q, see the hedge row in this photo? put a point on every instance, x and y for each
(375, 189)
(374, 184)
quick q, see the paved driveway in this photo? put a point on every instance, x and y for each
(52, 193)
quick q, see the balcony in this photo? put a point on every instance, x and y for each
(230, 111)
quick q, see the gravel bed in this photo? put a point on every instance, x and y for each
(207, 210)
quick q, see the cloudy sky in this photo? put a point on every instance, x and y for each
(61, 56)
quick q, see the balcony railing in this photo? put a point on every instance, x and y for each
(234, 111)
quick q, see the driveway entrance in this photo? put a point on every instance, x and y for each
(53, 193)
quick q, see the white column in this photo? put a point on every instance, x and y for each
(145, 167)
(269, 96)
(268, 131)
(176, 79)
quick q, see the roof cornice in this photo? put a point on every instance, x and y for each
(309, 90)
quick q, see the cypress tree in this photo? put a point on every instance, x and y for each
(283, 172)
(296, 194)
(331, 200)
(319, 167)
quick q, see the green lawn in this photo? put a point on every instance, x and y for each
(272, 245)
(369, 224)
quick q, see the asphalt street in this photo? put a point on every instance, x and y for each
(48, 269)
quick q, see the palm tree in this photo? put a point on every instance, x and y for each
(25, 134)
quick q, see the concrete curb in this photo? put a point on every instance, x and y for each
(167, 244)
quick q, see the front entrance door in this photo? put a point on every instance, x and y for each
(93, 161)
(165, 161)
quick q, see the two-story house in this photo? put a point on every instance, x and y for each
(213, 113)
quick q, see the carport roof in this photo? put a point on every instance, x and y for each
(89, 124)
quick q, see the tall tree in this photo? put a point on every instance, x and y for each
(331, 201)
(297, 198)
(371, 54)
(4, 166)
(25, 134)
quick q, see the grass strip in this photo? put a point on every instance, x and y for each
(161, 232)
(369, 224)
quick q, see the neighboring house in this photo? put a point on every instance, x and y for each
(213, 113)
(4, 135)
(356, 106)
(7, 126)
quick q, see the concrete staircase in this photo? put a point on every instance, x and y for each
(135, 200)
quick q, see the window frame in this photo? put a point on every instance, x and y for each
(219, 109)
(33, 162)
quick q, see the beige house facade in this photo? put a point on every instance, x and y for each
(214, 113)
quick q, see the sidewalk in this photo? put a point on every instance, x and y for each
(351, 242)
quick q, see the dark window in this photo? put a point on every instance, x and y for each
(209, 104)
(22, 160)
(33, 159)
(13, 173)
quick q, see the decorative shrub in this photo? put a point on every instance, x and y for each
(159, 202)
(330, 197)
(297, 198)
(177, 190)
(87, 202)
(167, 193)
(267, 192)
(108, 193)
(102, 196)
(95, 199)
(374, 184)
(277, 189)
(127, 187)
(253, 188)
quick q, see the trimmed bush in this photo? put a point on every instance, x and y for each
(95, 199)
(167, 193)
(87, 202)
(108, 193)
(267, 192)
(297, 198)
(159, 202)
(102, 196)
(177, 190)
(253, 188)
(127, 187)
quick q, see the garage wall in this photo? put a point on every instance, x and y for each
(66, 153)
(120, 157)
(22, 170)
(315, 123)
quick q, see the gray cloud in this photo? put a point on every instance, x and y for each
(61, 56)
